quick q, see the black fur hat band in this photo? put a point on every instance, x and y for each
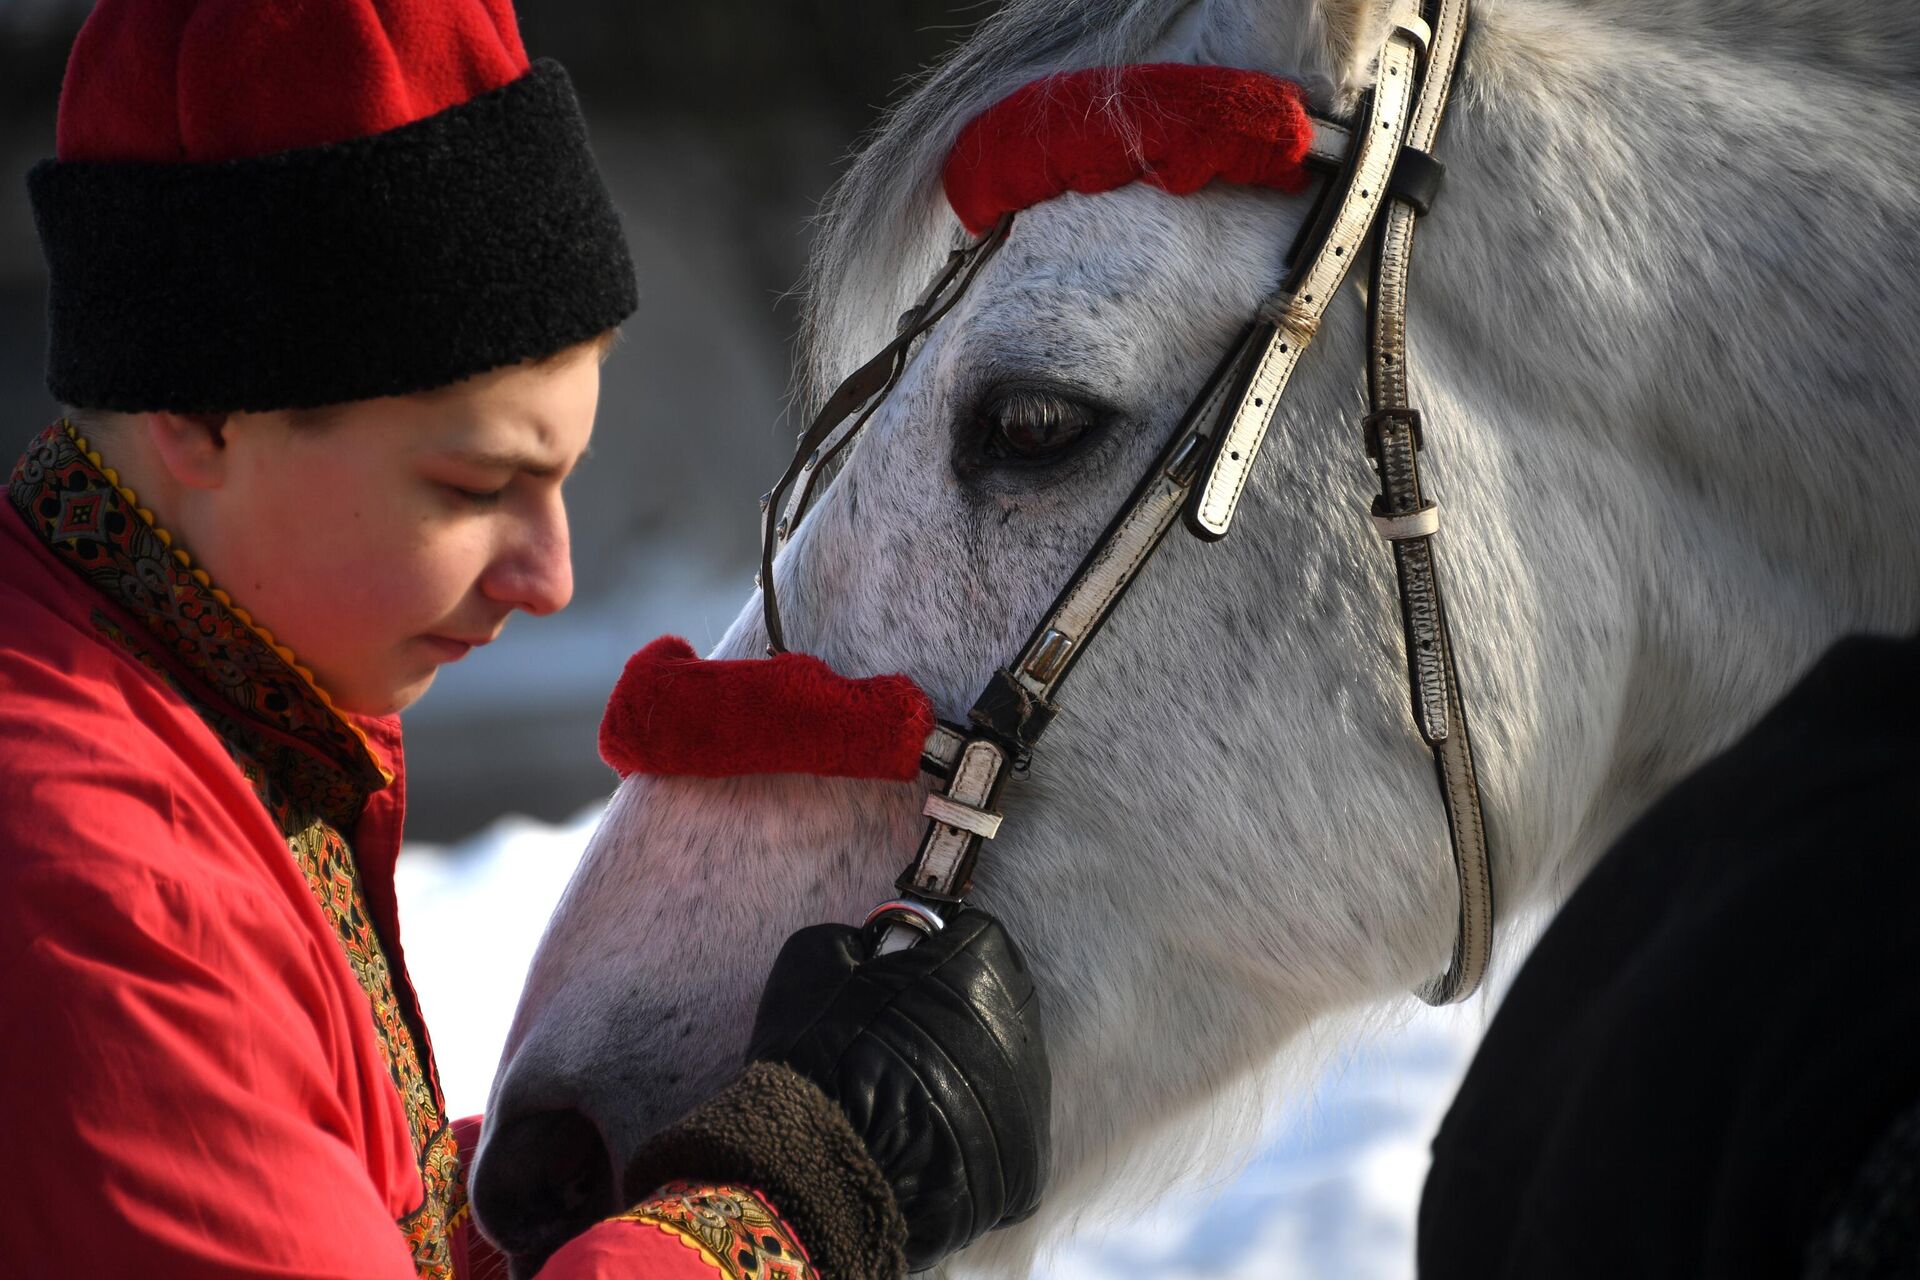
(474, 238)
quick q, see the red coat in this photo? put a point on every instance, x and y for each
(211, 1061)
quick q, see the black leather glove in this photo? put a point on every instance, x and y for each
(936, 1056)
(894, 1108)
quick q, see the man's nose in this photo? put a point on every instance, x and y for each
(533, 571)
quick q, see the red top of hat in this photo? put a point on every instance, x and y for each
(173, 81)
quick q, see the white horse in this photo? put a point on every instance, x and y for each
(1663, 328)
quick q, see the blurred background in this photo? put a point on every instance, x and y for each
(719, 125)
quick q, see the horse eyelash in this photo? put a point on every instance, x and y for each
(1035, 408)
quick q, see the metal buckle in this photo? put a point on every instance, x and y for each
(1049, 656)
(1370, 426)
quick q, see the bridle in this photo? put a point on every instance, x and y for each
(1380, 176)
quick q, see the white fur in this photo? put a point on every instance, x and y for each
(1663, 326)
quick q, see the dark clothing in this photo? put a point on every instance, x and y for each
(1720, 1032)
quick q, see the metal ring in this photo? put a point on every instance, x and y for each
(906, 911)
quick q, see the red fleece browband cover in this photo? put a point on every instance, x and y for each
(1174, 125)
(674, 712)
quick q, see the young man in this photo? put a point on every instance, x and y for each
(331, 284)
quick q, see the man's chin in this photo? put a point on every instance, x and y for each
(407, 695)
(384, 701)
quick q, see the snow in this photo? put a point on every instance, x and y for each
(1333, 1191)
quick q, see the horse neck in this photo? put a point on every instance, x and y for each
(1666, 293)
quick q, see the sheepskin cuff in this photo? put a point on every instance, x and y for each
(474, 238)
(774, 1130)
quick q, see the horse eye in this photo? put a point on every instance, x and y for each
(1032, 426)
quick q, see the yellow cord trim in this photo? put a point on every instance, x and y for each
(226, 601)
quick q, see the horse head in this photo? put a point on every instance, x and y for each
(1230, 843)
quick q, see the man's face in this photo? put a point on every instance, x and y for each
(381, 538)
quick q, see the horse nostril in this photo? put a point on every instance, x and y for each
(542, 1179)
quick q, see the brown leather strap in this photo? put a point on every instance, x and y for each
(1395, 439)
(863, 392)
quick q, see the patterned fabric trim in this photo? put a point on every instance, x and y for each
(734, 1228)
(75, 502)
(311, 768)
(310, 804)
(334, 879)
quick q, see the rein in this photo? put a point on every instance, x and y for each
(1381, 177)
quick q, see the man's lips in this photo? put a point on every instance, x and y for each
(452, 649)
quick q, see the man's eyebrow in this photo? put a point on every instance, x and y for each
(508, 460)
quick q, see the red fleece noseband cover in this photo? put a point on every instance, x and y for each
(676, 713)
(1173, 125)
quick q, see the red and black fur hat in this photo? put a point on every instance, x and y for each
(267, 206)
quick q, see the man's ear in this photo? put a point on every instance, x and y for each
(191, 446)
